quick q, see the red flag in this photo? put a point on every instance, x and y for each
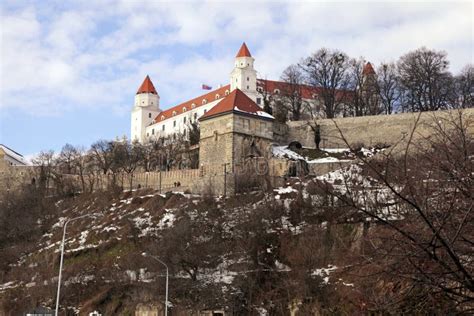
(206, 87)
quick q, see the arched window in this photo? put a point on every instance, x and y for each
(226, 92)
(174, 113)
(162, 117)
(204, 101)
(184, 109)
(193, 105)
(217, 96)
(276, 91)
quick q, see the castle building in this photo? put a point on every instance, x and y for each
(149, 122)
(9, 157)
(238, 127)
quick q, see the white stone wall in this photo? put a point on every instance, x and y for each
(178, 123)
(146, 108)
(244, 77)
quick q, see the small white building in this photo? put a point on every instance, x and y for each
(9, 157)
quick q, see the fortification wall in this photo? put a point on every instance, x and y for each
(371, 130)
(12, 177)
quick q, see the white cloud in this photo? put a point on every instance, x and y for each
(95, 54)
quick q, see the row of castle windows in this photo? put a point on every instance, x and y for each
(204, 101)
(193, 118)
(246, 125)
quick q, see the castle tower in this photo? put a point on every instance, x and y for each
(370, 89)
(145, 109)
(368, 74)
(234, 130)
(244, 76)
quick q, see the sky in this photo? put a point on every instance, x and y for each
(69, 70)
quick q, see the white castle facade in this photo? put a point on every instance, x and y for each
(149, 122)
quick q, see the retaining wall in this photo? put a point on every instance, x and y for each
(372, 130)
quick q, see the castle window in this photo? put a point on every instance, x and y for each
(174, 113)
(163, 127)
(162, 117)
(193, 105)
(195, 116)
(204, 101)
(247, 87)
(226, 92)
(246, 123)
(174, 123)
(205, 111)
(184, 120)
(259, 89)
(259, 100)
(276, 91)
(149, 115)
(217, 96)
(184, 132)
(184, 109)
(248, 79)
(152, 131)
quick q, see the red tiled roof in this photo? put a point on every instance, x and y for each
(209, 97)
(307, 91)
(147, 86)
(236, 101)
(243, 51)
(368, 69)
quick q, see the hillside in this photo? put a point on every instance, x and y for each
(219, 252)
(259, 253)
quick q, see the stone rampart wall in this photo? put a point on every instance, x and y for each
(372, 130)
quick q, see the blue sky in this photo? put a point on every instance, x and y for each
(70, 69)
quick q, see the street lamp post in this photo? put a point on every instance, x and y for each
(62, 256)
(166, 291)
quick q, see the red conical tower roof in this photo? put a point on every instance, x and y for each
(243, 51)
(368, 69)
(147, 86)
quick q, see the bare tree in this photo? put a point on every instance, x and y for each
(363, 84)
(424, 201)
(131, 155)
(44, 169)
(66, 159)
(389, 86)
(266, 95)
(194, 133)
(465, 88)
(426, 83)
(101, 151)
(327, 69)
(291, 94)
